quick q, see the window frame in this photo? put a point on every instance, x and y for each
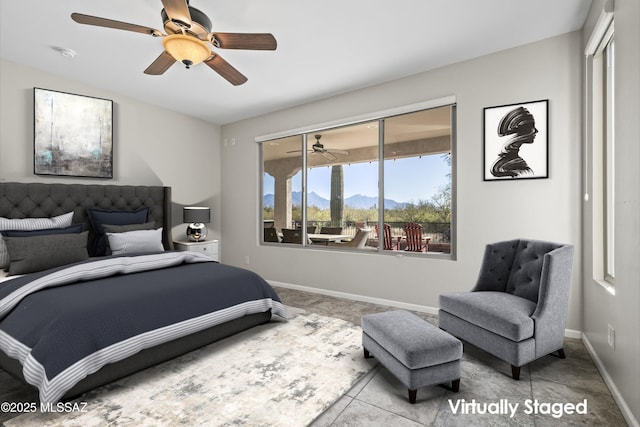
(379, 116)
(600, 146)
(609, 157)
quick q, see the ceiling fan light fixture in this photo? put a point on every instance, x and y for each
(186, 49)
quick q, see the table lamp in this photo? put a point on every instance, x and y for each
(197, 217)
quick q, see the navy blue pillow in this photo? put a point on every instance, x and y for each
(100, 217)
(74, 228)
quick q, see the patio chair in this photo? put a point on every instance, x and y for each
(290, 235)
(518, 307)
(415, 241)
(271, 235)
(389, 244)
(358, 241)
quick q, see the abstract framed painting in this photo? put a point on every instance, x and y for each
(516, 141)
(73, 135)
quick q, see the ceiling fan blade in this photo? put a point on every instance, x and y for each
(160, 65)
(178, 12)
(110, 23)
(251, 41)
(327, 155)
(346, 153)
(300, 151)
(226, 70)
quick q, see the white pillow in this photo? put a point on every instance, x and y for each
(131, 242)
(29, 224)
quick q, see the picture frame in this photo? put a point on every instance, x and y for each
(73, 135)
(516, 141)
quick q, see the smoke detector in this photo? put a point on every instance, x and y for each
(67, 53)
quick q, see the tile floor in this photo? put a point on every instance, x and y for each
(380, 400)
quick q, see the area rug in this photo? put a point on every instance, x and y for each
(277, 374)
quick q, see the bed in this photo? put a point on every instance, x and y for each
(166, 303)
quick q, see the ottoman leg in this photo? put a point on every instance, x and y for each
(367, 355)
(515, 372)
(412, 396)
(455, 385)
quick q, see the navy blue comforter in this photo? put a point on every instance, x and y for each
(66, 323)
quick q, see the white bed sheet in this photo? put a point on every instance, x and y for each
(4, 277)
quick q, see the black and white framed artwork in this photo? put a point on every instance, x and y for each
(516, 141)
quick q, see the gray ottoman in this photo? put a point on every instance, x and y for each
(416, 352)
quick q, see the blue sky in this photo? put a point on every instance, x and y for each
(410, 179)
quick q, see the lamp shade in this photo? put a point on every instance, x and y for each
(197, 214)
(187, 49)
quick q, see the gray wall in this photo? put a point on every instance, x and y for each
(601, 308)
(152, 146)
(547, 209)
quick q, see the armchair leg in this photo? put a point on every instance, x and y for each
(515, 372)
(367, 355)
(561, 354)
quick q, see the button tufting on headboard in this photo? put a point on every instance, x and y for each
(33, 200)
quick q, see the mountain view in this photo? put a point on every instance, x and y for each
(357, 201)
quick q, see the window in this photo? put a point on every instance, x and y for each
(279, 169)
(328, 189)
(418, 176)
(609, 159)
(600, 54)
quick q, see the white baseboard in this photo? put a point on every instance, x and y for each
(569, 333)
(572, 333)
(354, 297)
(622, 404)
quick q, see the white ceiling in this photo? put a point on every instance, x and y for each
(324, 47)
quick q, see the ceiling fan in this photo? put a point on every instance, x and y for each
(318, 148)
(187, 39)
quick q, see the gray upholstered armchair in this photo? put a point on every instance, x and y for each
(518, 307)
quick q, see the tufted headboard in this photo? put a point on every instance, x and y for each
(33, 200)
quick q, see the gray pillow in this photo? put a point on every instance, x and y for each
(138, 241)
(37, 253)
(114, 228)
(28, 224)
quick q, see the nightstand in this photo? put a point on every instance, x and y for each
(207, 247)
